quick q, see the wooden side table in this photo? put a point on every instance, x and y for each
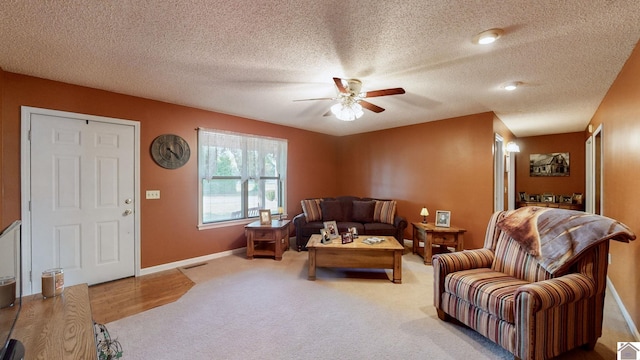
(436, 235)
(267, 240)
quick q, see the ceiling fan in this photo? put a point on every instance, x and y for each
(351, 99)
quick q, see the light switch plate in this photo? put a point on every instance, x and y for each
(153, 194)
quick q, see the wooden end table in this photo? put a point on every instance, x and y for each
(436, 235)
(384, 255)
(267, 240)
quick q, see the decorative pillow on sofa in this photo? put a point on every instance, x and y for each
(331, 210)
(363, 211)
(311, 209)
(385, 211)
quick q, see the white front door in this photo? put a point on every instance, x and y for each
(82, 198)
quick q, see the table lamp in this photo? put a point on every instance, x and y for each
(280, 211)
(424, 213)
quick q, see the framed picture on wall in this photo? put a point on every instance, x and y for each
(443, 218)
(553, 164)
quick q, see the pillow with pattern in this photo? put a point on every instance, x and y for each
(385, 211)
(311, 209)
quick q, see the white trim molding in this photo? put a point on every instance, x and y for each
(623, 310)
(192, 261)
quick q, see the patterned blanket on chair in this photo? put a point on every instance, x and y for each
(556, 236)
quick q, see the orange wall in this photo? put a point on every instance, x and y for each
(444, 165)
(573, 143)
(619, 114)
(168, 225)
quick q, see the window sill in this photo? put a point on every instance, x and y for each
(224, 224)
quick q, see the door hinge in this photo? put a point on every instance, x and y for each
(29, 205)
(30, 279)
(29, 135)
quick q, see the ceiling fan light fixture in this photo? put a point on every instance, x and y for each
(488, 36)
(347, 111)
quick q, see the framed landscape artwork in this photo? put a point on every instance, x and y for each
(553, 164)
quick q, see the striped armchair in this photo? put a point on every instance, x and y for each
(505, 293)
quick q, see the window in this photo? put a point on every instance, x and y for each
(239, 174)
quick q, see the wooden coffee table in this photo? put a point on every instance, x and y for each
(384, 255)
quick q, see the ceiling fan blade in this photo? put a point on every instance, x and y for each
(339, 85)
(370, 106)
(315, 99)
(385, 92)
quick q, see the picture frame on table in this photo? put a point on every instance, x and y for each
(265, 217)
(523, 196)
(443, 218)
(332, 229)
(325, 237)
(577, 198)
(566, 199)
(354, 232)
(548, 198)
(347, 238)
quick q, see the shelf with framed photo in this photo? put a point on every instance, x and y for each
(569, 202)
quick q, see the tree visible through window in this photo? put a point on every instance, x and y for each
(239, 174)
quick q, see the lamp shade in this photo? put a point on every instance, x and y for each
(424, 212)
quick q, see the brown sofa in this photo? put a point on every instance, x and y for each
(537, 287)
(369, 216)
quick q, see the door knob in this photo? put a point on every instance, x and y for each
(128, 201)
(128, 212)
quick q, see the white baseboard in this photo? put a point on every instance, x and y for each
(625, 313)
(192, 261)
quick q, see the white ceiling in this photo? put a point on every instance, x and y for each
(252, 58)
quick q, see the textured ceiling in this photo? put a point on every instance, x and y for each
(253, 58)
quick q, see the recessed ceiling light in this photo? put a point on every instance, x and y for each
(511, 85)
(488, 36)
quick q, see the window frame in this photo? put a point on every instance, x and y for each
(260, 180)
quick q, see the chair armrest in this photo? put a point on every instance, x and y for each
(462, 260)
(444, 264)
(551, 293)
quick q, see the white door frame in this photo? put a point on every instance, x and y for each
(25, 172)
(589, 206)
(511, 180)
(498, 177)
(592, 145)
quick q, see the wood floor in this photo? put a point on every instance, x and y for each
(121, 298)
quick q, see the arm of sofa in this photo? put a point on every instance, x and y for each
(298, 222)
(444, 264)
(540, 314)
(400, 223)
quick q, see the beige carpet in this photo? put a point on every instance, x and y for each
(266, 309)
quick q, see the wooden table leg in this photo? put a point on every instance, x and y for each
(397, 267)
(250, 245)
(278, 246)
(416, 240)
(312, 264)
(428, 250)
(460, 242)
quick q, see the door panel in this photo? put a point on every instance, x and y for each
(82, 183)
